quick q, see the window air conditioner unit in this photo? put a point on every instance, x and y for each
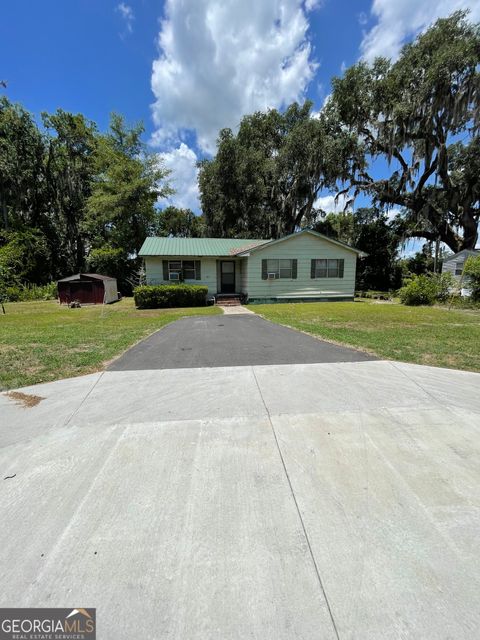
(271, 276)
(174, 276)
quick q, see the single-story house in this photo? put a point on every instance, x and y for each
(87, 288)
(302, 266)
(454, 264)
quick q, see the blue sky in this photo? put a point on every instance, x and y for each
(189, 67)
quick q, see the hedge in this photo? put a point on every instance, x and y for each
(170, 295)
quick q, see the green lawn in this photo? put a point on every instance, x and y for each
(424, 335)
(43, 341)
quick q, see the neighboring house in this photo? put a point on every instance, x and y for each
(454, 264)
(303, 266)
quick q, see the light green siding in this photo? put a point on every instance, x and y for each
(210, 271)
(243, 275)
(303, 248)
(154, 271)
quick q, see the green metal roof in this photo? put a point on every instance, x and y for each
(197, 246)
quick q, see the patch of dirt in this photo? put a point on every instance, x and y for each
(26, 400)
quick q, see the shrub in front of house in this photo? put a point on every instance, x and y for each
(426, 289)
(165, 296)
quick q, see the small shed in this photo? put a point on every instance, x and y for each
(87, 288)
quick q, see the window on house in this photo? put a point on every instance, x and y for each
(458, 268)
(328, 268)
(189, 270)
(181, 270)
(279, 268)
(174, 269)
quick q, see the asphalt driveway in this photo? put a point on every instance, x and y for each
(228, 341)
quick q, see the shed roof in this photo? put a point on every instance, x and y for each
(79, 276)
(166, 246)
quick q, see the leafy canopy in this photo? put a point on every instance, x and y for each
(421, 114)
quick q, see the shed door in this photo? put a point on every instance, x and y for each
(82, 291)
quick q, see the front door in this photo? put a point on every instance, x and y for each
(227, 276)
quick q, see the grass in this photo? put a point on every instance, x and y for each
(433, 336)
(43, 341)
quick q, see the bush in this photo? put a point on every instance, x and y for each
(30, 292)
(170, 295)
(472, 272)
(445, 283)
(427, 289)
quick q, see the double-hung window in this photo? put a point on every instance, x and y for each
(174, 269)
(458, 268)
(279, 268)
(181, 270)
(327, 268)
(189, 270)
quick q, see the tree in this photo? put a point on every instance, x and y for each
(420, 263)
(421, 114)
(69, 174)
(22, 175)
(120, 210)
(114, 263)
(264, 180)
(179, 223)
(24, 257)
(368, 229)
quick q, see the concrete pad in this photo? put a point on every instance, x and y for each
(182, 394)
(374, 506)
(312, 388)
(448, 386)
(270, 502)
(186, 530)
(60, 401)
(235, 310)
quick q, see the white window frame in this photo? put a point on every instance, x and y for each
(280, 271)
(459, 268)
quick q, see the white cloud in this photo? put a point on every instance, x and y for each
(329, 205)
(392, 214)
(182, 162)
(362, 18)
(311, 5)
(127, 15)
(221, 60)
(400, 20)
